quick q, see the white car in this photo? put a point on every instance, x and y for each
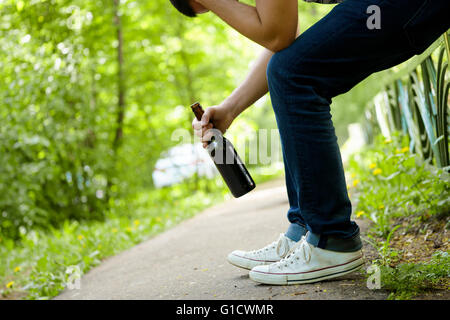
(182, 162)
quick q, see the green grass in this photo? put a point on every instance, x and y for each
(391, 184)
(35, 266)
(407, 280)
(40, 259)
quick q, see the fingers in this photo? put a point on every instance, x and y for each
(207, 135)
(202, 127)
(204, 132)
(205, 121)
(207, 115)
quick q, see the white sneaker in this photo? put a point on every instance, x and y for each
(307, 264)
(269, 254)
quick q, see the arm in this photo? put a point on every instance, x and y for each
(249, 91)
(271, 23)
(252, 88)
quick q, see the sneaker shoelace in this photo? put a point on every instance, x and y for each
(301, 250)
(281, 246)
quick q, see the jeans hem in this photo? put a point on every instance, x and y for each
(331, 243)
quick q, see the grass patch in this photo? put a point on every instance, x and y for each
(407, 201)
(407, 280)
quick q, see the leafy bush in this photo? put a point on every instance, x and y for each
(66, 150)
(390, 185)
(391, 182)
(48, 139)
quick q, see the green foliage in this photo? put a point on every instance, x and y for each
(386, 252)
(37, 263)
(60, 100)
(49, 142)
(91, 93)
(408, 279)
(391, 182)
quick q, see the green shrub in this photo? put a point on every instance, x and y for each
(391, 182)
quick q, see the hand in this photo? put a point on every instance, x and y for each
(218, 117)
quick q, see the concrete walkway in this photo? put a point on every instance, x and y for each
(189, 260)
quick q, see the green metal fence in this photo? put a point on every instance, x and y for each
(415, 100)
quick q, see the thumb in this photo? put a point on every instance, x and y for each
(207, 116)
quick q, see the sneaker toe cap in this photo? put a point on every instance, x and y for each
(236, 255)
(261, 269)
(239, 259)
(263, 274)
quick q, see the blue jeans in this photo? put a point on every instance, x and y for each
(326, 60)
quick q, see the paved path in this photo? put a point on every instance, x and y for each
(189, 260)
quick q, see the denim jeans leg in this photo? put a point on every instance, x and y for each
(297, 227)
(326, 60)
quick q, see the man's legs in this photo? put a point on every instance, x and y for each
(325, 61)
(329, 59)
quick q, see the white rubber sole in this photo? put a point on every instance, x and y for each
(307, 277)
(245, 263)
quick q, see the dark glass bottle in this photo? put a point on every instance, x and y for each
(227, 161)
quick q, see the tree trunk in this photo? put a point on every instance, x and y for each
(120, 81)
(118, 134)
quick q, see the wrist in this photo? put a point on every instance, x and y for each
(232, 106)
